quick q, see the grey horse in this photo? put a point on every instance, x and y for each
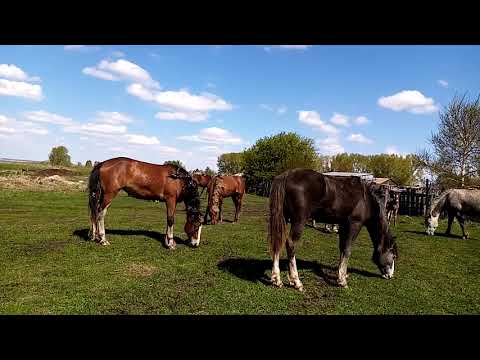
(458, 203)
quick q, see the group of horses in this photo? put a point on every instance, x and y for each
(296, 196)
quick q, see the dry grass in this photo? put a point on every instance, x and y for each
(140, 270)
(49, 183)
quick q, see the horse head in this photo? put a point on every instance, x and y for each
(385, 257)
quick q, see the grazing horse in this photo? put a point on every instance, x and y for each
(392, 208)
(457, 203)
(141, 180)
(299, 194)
(222, 187)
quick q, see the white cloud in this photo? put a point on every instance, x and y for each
(279, 110)
(95, 129)
(181, 104)
(189, 117)
(8, 130)
(11, 125)
(359, 138)
(13, 72)
(391, 149)
(213, 135)
(100, 74)
(339, 119)
(121, 70)
(112, 118)
(361, 120)
(44, 116)
(142, 139)
(21, 89)
(287, 47)
(330, 146)
(118, 53)
(81, 48)
(312, 118)
(443, 83)
(409, 100)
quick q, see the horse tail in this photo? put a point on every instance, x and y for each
(277, 230)
(95, 191)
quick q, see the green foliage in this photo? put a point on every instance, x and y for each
(59, 156)
(175, 162)
(231, 163)
(209, 171)
(402, 170)
(88, 163)
(270, 156)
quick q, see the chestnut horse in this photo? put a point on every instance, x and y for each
(221, 187)
(300, 194)
(141, 180)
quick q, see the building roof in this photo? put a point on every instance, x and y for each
(341, 173)
(381, 181)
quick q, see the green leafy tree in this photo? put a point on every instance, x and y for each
(59, 156)
(231, 163)
(209, 171)
(175, 162)
(455, 158)
(88, 163)
(270, 156)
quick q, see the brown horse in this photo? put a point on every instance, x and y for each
(222, 187)
(300, 194)
(201, 179)
(392, 207)
(141, 180)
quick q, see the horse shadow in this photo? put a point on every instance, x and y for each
(253, 270)
(155, 235)
(451, 236)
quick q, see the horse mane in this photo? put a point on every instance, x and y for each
(439, 202)
(190, 189)
(378, 206)
(217, 188)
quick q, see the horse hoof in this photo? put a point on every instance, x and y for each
(277, 282)
(342, 284)
(104, 243)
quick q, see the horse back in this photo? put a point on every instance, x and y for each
(139, 179)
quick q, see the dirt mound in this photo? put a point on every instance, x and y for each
(52, 172)
(49, 183)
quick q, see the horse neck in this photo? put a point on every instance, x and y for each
(439, 204)
(377, 225)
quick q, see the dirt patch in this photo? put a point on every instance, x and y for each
(52, 172)
(140, 270)
(49, 183)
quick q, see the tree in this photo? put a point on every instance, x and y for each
(231, 163)
(270, 156)
(88, 163)
(209, 171)
(456, 145)
(174, 162)
(59, 156)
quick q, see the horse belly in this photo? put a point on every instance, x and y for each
(143, 193)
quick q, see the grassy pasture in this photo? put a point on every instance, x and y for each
(49, 268)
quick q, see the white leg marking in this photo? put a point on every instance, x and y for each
(276, 270)
(196, 242)
(342, 271)
(293, 275)
(101, 225)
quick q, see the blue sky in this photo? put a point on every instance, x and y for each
(192, 103)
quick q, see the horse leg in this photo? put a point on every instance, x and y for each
(295, 234)
(101, 234)
(220, 205)
(461, 221)
(237, 200)
(451, 216)
(171, 207)
(347, 234)
(276, 279)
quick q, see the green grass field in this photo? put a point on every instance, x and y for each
(49, 268)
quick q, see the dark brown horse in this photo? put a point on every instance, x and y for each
(392, 207)
(299, 194)
(222, 187)
(141, 180)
